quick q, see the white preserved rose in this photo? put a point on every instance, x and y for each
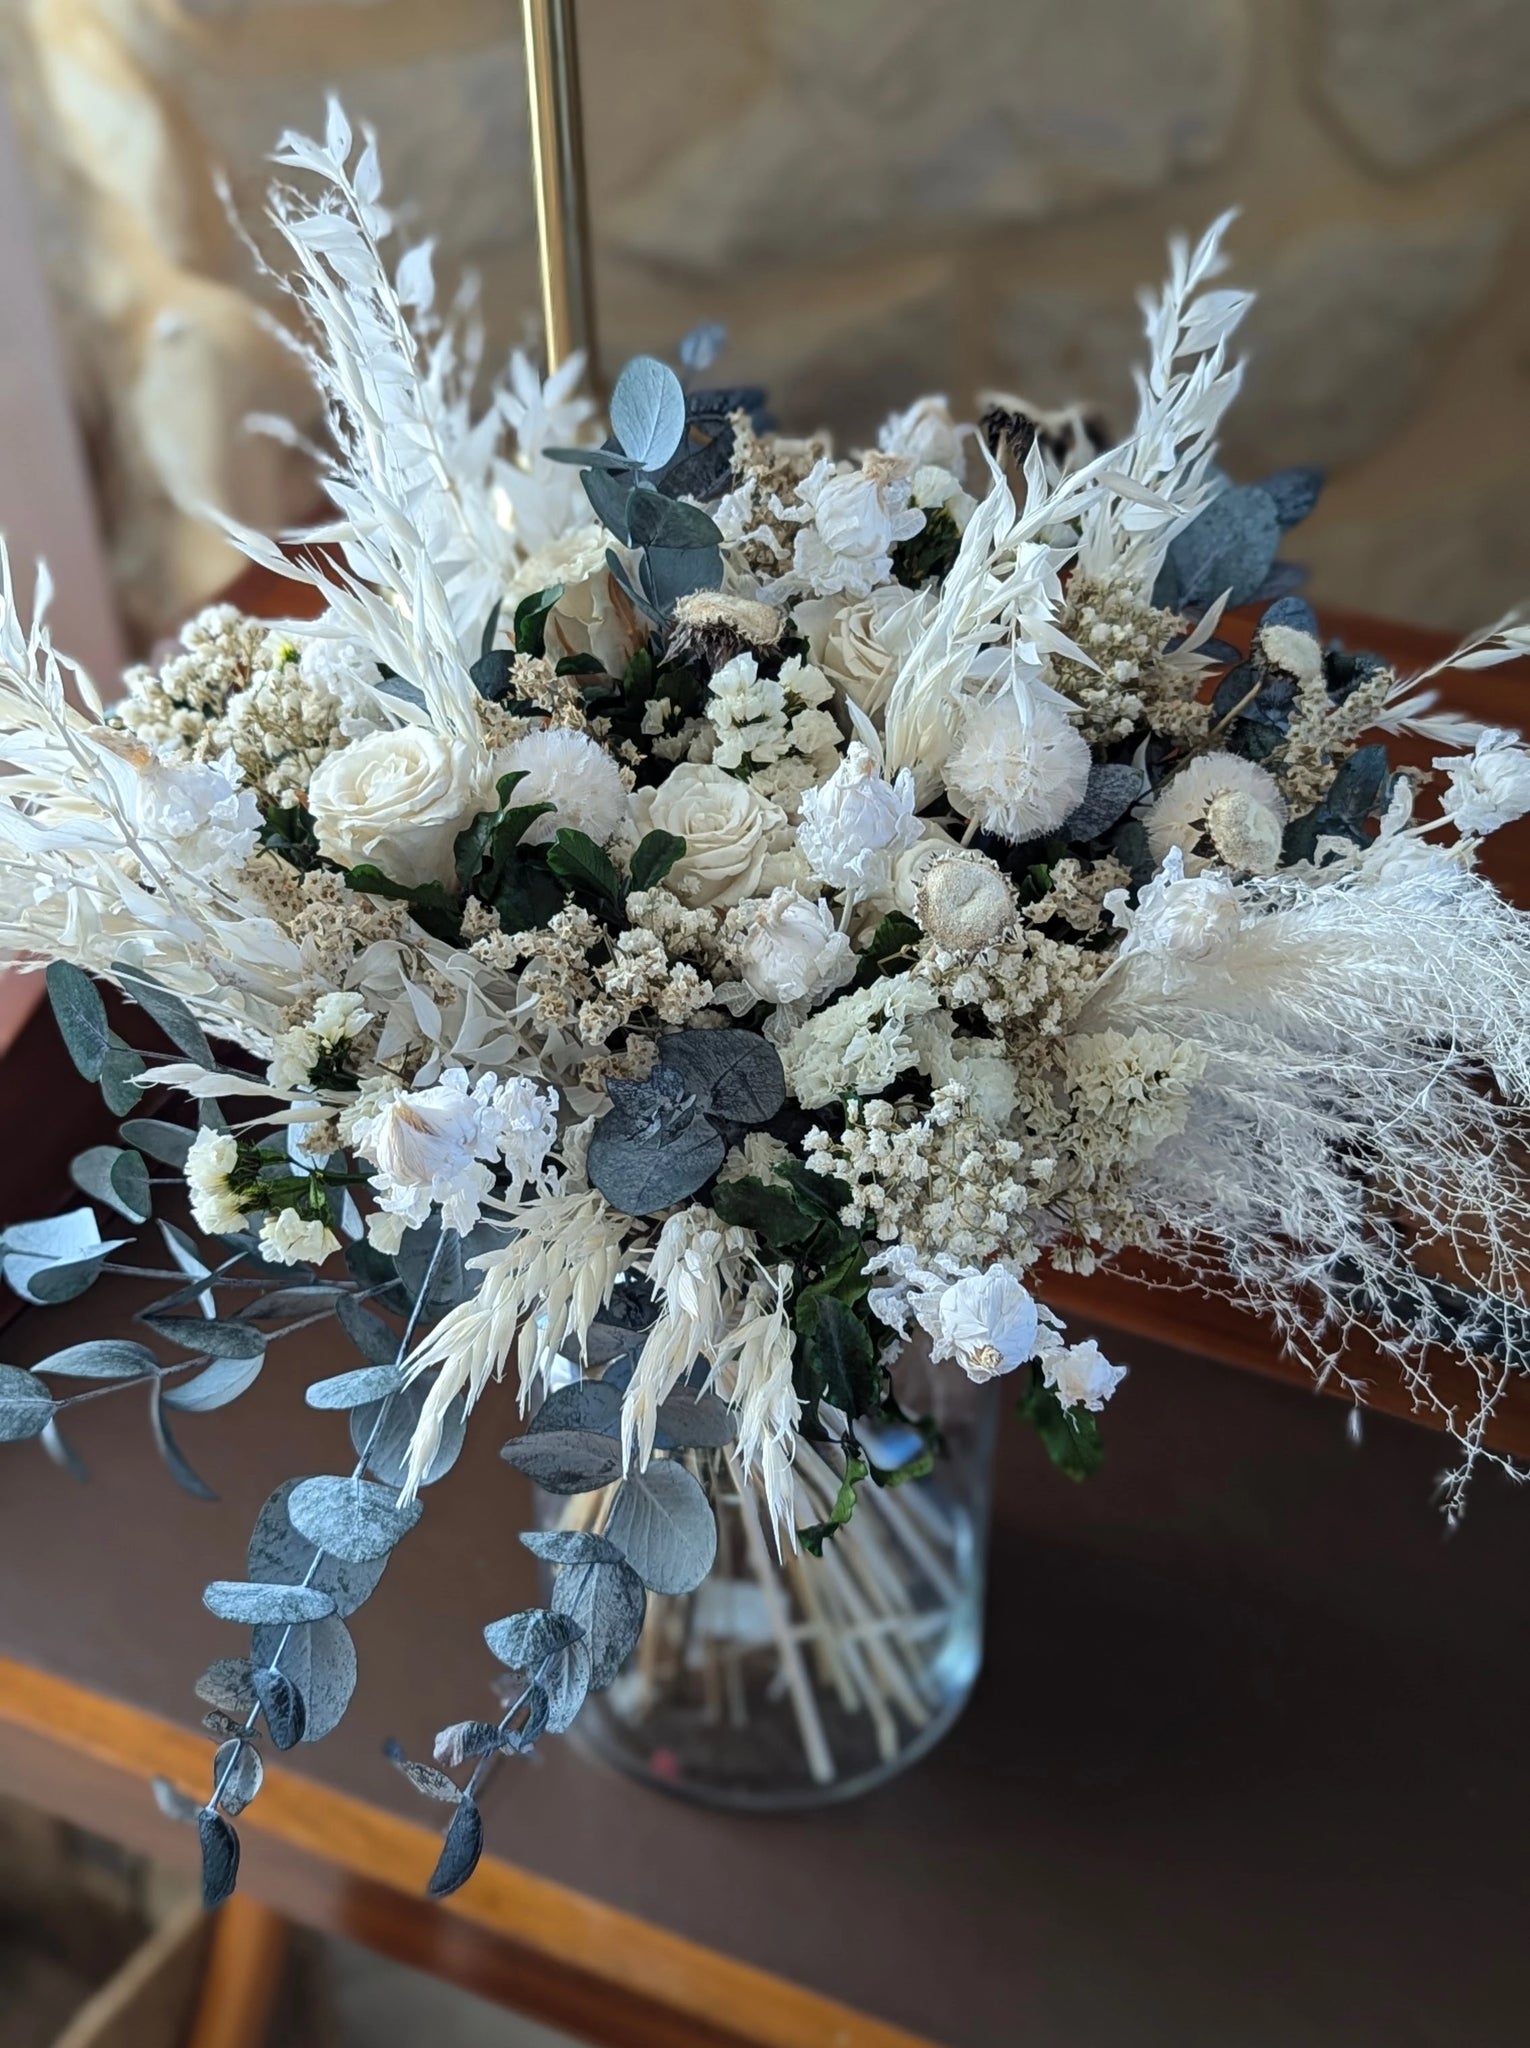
(726, 828)
(397, 800)
(986, 1321)
(1488, 787)
(852, 827)
(854, 520)
(787, 948)
(860, 644)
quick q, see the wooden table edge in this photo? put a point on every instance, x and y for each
(702, 1995)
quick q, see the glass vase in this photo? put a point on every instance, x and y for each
(798, 1681)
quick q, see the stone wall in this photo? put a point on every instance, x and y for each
(877, 196)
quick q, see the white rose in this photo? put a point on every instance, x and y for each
(861, 645)
(854, 522)
(1490, 787)
(852, 827)
(986, 1321)
(787, 948)
(200, 809)
(926, 433)
(726, 828)
(592, 616)
(398, 800)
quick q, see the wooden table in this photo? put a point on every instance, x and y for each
(1245, 1764)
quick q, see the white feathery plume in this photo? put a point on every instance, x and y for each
(1165, 465)
(696, 1273)
(752, 1371)
(541, 1291)
(426, 528)
(1363, 1114)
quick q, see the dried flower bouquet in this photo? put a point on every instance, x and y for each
(696, 913)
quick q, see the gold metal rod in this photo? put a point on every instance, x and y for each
(557, 169)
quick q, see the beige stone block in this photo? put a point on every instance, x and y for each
(1413, 79)
(877, 119)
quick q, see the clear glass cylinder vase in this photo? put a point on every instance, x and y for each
(797, 1681)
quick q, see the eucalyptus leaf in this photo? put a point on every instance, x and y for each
(26, 1406)
(81, 1016)
(173, 1803)
(174, 1457)
(294, 1301)
(450, 1285)
(279, 1554)
(608, 492)
(608, 1602)
(169, 1013)
(258, 1604)
(354, 1519)
(66, 1282)
(592, 1406)
(463, 1741)
(217, 1339)
(225, 1684)
(738, 1074)
(672, 573)
(223, 1381)
(654, 521)
(424, 1778)
(102, 1358)
(663, 1523)
(1112, 789)
(702, 345)
(238, 1769)
(123, 1078)
(640, 1177)
(368, 1383)
(320, 1659)
(67, 1460)
(220, 1857)
(521, 1641)
(565, 1461)
(377, 1343)
(282, 1704)
(570, 1546)
(691, 1419)
(165, 1142)
(30, 1249)
(382, 1432)
(648, 412)
(564, 1684)
(459, 1852)
(95, 1174)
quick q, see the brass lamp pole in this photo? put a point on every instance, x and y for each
(557, 170)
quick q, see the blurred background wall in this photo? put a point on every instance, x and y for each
(877, 196)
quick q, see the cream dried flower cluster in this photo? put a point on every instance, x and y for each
(818, 891)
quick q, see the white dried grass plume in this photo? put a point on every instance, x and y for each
(1362, 1115)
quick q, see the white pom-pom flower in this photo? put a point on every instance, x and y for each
(1019, 765)
(852, 827)
(570, 770)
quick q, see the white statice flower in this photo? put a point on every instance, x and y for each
(1490, 786)
(853, 827)
(397, 800)
(1020, 765)
(1219, 807)
(858, 1045)
(776, 730)
(337, 1019)
(289, 1239)
(748, 711)
(438, 1147)
(786, 948)
(860, 643)
(1080, 1375)
(1183, 918)
(853, 519)
(926, 435)
(727, 827)
(209, 1163)
(198, 812)
(986, 1322)
(569, 769)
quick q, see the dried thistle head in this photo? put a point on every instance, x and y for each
(714, 627)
